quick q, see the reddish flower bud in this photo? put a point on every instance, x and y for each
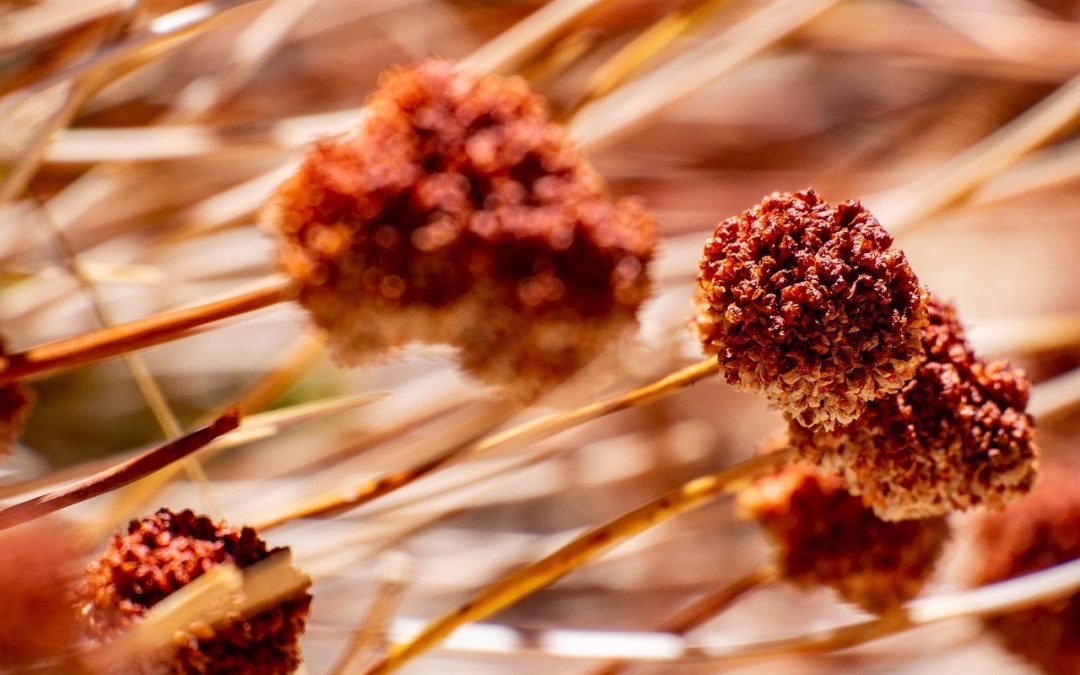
(827, 537)
(809, 305)
(164, 552)
(458, 213)
(1032, 534)
(956, 436)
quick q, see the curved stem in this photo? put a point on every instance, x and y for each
(586, 547)
(127, 337)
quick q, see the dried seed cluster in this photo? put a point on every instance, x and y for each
(954, 437)
(1032, 534)
(162, 553)
(14, 403)
(827, 537)
(36, 566)
(458, 213)
(811, 306)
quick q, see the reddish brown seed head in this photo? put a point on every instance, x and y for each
(38, 566)
(458, 213)
(162, 553)
(827, 537)
(1032, 534)
(954, 437)
(14, 404)
(811, 306)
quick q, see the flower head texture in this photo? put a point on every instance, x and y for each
(458, 213)
(824, 536)
(954, 437)
(811, 306)
(1032, 534)
(37, 564)
(164, 552)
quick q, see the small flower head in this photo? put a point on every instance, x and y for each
(458, 213)
(14, 403)
(827, 537)
(1032, 534)
(164, 552)
(37, 564)
(954, 437)
(811, 306)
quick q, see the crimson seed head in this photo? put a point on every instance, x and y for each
(1032, 534)
(809, 305)
(14, 402)
(164, 552)
(458, 213)
(955, 436)
(827, 537)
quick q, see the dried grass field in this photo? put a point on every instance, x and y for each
(593, 525)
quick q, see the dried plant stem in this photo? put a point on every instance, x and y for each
(697, 613)
(527, 580)
(913, 204)
(630, 59)
(341, 500)
(141, 333)
(513, 46)
(395, 570)
(604, 121)
(119, 475)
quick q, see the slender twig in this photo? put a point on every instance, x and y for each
(348, 498)
(701, 610)
(394, 571)
(139, 334)
(119, 475)
(527, 580)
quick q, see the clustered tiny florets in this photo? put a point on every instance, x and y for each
(162, 553)
(827, 537)
(1040, 531)
(14, 403)
(809, 305)
(955, 436)
(458, 213)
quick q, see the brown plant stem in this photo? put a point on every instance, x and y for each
(139, 334)
(348, 498)
(119, 475)
(529, 579)
(701, 610)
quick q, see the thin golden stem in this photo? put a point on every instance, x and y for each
(588, 546)
(139, 334)
(701, 610)
(348, 498)
(119, 475)
(395, 572)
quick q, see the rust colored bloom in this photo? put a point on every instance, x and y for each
(14, 403)
(1032, 534)
(37, 564)
(827, 537)
(458, 213)
(811, 306)
(956, 436)
(162, 553)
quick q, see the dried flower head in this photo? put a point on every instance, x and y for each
(14, 403)
(458, 213)
(37, 566)
(162, 553)
(809, 305)
(1032, 534)
(827, 537)
(956, 436)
